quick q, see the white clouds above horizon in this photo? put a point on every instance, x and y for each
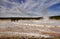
(29, 8)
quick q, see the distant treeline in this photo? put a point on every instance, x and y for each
(22, 18)
(30, 18)
(55, 17)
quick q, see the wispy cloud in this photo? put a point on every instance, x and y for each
(14, 8)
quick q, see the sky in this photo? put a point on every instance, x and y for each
(55, 9)
(29, 8)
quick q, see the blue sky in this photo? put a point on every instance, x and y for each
(55, 9)
(28, 8)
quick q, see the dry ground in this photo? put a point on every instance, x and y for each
(8, 29)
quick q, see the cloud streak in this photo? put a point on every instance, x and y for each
(24, 8)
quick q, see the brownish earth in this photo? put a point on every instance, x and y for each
(15, 30)
(25, 29)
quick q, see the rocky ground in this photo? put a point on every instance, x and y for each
(28, 30)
